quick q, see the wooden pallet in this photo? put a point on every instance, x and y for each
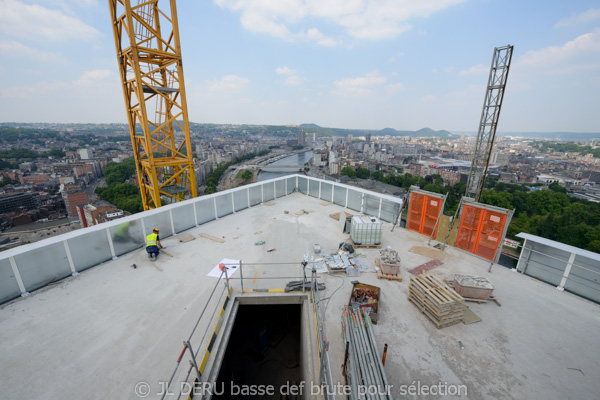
(491, 298)
(432, 318)
(389, 277)
(364, 246)
(440, 303)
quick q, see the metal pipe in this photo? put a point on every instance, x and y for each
(356, 377)
(370, 354)
(205, 306)
(364, 364)
(352, 355)
(174, 372)
(381, 372)
(381, 368)
(189, 347)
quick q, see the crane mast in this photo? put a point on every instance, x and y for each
(151, 71)
(489, 120)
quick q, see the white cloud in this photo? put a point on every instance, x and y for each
(587, 16)
(361, 85)
(362, 19)
(428, 98)
(315, 35)
(33, 90)
(285, 71)
(394, 87)
(11, 48)
(32, 21)
(101, 79)
(478, 69)
(228, 82)
(573, 51)
(294, 80)
(96, 76)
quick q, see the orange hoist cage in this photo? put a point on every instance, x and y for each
(480, 231)
(423, 213)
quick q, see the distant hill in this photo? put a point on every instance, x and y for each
(321, 131)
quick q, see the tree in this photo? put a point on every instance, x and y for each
(363, 173)
(555, 187)
(246, 175)
(349, 172)
(56, 153)
(377, 175)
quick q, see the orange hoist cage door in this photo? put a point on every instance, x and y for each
(423, 213)
(480, 231)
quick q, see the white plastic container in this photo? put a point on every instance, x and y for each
(366, 230)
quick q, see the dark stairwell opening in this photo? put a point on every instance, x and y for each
(264, 350)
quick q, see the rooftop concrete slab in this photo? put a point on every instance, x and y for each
(99, 334)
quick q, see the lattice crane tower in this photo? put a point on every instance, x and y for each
(149, 56)
(489, 120)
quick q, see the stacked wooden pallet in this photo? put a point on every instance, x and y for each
(440, 303)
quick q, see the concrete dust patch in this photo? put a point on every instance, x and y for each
(213, 238)
(469, 317)
(185, 237)
(428, 252)
(325, 204)
(268, 203)
(335, 216)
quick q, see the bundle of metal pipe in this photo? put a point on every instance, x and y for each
(363, 368)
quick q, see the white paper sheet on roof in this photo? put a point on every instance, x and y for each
(231, 265)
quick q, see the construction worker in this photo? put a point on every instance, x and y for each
(152, 244)
(122, 233)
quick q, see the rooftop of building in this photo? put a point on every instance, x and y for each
(98, 334)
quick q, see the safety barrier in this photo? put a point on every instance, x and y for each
(424, 209)
(482, 229)
(32, 266)
(566, 267)
(227, 297)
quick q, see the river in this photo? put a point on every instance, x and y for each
(296, 159)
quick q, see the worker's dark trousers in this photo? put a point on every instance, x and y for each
(152, 250)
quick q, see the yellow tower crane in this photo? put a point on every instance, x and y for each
(149, 56)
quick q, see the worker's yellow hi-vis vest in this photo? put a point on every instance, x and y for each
(151, 239)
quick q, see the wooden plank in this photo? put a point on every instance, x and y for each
(213, 238)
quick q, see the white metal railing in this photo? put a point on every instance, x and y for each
(32, 266)
(565, 272)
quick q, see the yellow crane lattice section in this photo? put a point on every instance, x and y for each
(149, 55)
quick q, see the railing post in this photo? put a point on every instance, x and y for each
(193, 361)
(346, 205)
(566, 273)
(110, 242)
(172, 223)
(195, 215)
(70, 258)
(13, 264)
(226, 277)
(241, 277)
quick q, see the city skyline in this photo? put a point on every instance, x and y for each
(360, 64)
